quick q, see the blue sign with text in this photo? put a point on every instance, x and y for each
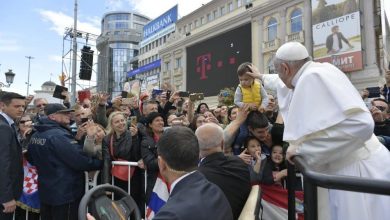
(163, 21)
(145, 68)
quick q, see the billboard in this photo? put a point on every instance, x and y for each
(158, 24)
(132, 87)
(212, 64)
(336, 33)
(150, 82)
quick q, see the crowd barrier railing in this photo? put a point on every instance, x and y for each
(313, 179)
(92, 182)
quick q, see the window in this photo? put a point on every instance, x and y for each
(178, 62)
(209, 17)
(189, 26)
(230, 6)
(138, 26)
(116, 33)
(223, 10)
(167, 66)
(270, 65)
(296, 21)
(215, 13)
(272, 27)
(239, 3)
(196, 23)
(121, 25)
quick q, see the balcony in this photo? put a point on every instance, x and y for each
(297, 36)
(166, 75)
(178, 71)
(271, 45)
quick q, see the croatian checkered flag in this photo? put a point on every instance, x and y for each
(30, 198)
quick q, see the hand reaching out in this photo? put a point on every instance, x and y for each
(255, 73)
(245, 157)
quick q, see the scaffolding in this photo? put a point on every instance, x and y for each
(82, 39)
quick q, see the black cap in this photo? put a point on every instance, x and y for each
(56, 108)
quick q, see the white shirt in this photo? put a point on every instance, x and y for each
(9, 120)
(335, 45)
(179, 179)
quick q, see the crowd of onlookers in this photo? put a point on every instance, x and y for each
(91, 134)
(239, 146)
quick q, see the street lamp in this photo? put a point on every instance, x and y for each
(28, 76)
(9, 78)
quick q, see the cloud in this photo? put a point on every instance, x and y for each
(159, 7)
(60, 21)
(114, 5)
(8, 43)
(55, 58)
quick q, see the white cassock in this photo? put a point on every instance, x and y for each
(327, 122)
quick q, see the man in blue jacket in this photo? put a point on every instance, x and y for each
(60, 162)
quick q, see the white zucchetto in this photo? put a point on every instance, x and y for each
(292, 51)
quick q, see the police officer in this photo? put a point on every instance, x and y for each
(60, 162)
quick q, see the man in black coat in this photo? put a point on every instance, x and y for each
(230, 173)
(192, 196)
(60, 162)
(11, 162)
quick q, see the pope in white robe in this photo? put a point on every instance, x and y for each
(328, 124)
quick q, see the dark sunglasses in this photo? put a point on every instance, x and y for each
(41, 105)
(22, 122)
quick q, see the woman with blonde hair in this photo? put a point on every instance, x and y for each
(121, 144)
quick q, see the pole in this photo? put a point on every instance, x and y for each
(28, 74)
(74, 62)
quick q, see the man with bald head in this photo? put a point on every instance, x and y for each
(329, 125)
(229, 173)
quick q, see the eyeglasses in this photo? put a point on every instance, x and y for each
(22, 122)
(41, 105)
(381, 108)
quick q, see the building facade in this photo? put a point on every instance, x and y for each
(155, 35)
(46, 92)
(271, 23)
(118, 44)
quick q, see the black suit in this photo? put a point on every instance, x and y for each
(231, 174)
(195, 198)
(11, 165)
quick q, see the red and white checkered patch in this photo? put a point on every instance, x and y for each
(30, 183)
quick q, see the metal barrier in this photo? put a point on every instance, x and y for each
(92, 182)
(313, 179)
(124, 163)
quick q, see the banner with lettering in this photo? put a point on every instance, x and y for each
(337, 33)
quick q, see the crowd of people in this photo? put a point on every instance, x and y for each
(219, 151)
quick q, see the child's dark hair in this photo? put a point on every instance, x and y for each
(246, 142)
(249, 138)
(283, 165)
(243, 68)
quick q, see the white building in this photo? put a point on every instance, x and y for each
(46, 92)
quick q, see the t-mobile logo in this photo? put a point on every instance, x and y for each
(203, 64)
